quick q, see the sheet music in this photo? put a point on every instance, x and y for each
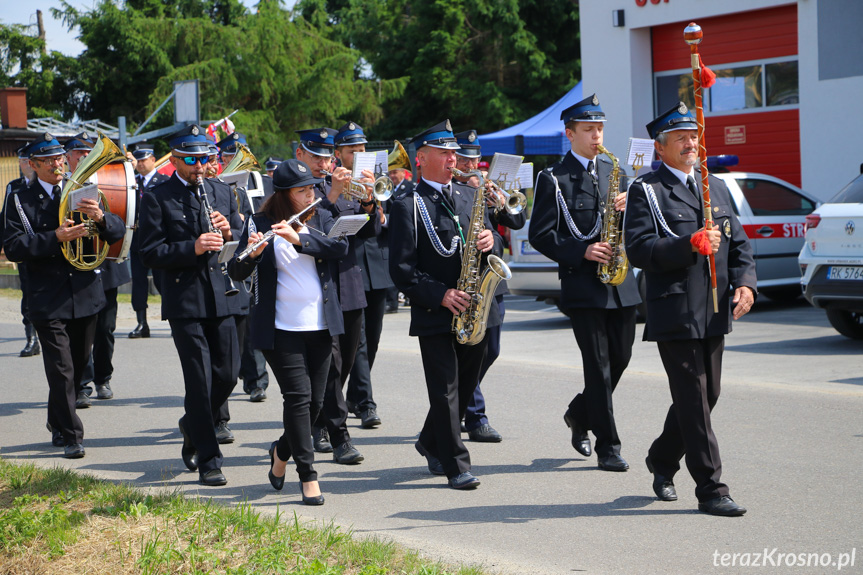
(380, 163)
(640, 152)
(227, 251)
(90, 192)
(504, 170)
(364, 161)
(348, 225)
(524, 179)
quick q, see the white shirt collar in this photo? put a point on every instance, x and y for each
(583, 160)
(47, 187)
(148, 177)
(437, 186)
(184, 182)
(682, 176)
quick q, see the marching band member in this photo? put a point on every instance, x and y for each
(147, 178)
(271, 164)
(297, 313)
(565, 226)
(401, 186)
(475, 419)
(372, 254)
(425, 264)
(63, 300)
(664, 214)
(331, 431)
(176, 238)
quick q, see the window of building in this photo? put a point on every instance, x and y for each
(749, 87)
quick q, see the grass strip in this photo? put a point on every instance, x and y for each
(61, 521)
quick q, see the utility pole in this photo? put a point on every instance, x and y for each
(41, 28)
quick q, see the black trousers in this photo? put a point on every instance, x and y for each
(209, 355)
(300, 360)
(451, 372)
(66, 345)
(140, 282)
(359, 390)
(100, 366)
(242, 323)
(253, 366)
(25, 290)
(605, 337)
(475, 416)
(335, 411)
(694, 368)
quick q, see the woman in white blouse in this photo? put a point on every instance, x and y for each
(296, 312)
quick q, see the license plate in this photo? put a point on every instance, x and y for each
(527, 249)
(844, 273)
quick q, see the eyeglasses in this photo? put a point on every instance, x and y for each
(52, 160)
(192, 160)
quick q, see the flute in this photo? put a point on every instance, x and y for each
(268, 235)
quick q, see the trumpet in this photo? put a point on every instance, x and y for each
(382, 189)
(514, 203)
(268, 235)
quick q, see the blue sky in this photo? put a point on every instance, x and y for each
(58, 38)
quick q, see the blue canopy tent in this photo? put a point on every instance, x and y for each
(541, 135)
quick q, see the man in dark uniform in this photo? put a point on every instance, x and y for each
(664, 223)
(467, 159)
(372, 253)
(63, 300)
(100, 367)
(176, 238)
(401, 186)
(271, 164)
(31, 348)
(425, 264)
(316, 149)
(569, 204)
(147, 179)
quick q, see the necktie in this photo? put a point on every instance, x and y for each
(55, 192)
(592, 171)
(446, 191)
(140, 180)
(693, 187)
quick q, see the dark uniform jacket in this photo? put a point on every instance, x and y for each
(57, 289)
(679, 300)
(323, 249)
(352, 293)
(158, 178)
(549, 234)
(11, 188)
(172, 218)
(417, 269)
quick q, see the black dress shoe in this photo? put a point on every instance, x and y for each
(434, 464)
(276, 482)
(662, 486)
(321, 440)
(82, 401)
(347, 454)
(485, 434)
(463, 427)
(57, 439)
(188, 451)
(258, 395)
(316, 500)
(73, 451)
(223, 433)
(464, 480)
(613, 462)
(141, 330)
(32, 347)
(370, 418)
(580, 441)
(213, 478)
(104, 391)
(723, 506)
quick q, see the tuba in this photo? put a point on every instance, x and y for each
(243, 160)
(614, 272)
(469, 325)
(88, 256)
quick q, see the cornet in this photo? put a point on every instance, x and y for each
(382, 189)
(514, 203)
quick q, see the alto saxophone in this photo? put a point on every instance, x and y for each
(614, 272)
(469, 326)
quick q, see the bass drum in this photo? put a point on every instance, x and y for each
(117, 183)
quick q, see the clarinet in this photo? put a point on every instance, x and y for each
(230, 288)
(268, 235)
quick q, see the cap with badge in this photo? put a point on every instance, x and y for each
(228, 144)
(82, 142)
(293, 174)
(141, 151)
(44, 146)
(189, 140)
(214, 150)
(588, 110)
(677, 118)
(318, 141)
(469, 144)
(349, 135)
(22, 152)
(273, 163)
(438, 136)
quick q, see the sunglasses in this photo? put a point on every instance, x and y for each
(192, 160)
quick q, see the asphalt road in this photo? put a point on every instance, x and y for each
(789, 424)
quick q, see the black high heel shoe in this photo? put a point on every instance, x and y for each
(276, 482)
(316, 500)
